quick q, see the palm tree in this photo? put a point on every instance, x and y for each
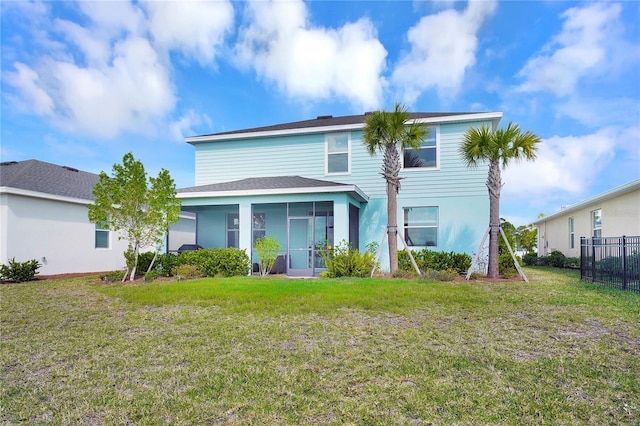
(389, 132)
(498, 147)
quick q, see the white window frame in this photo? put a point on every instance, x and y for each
(327, 153)
(99, 229)
(437, 225)
(235, 216)
(572, 234)
(594, 226)
(434, 130)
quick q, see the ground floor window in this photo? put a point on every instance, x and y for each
(102, 236)
(596, 223)
(571, 234)
(421, 226)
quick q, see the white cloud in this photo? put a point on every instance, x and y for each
(183, 127)
(584, 47)
(113, 74)
(443, 47)
(28, 84)
(312, 62)
(567, 164)
(193, 28)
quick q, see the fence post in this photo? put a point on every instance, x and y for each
(625, 278)
(583, 258)
(593, 259)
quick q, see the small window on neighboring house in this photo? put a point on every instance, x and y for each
(338, 148)
(259, 226)
(421, 226)
(427, 156)
(596, 223)
(571, 234)
(102, 236)
(233, 230)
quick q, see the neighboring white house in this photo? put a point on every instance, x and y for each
(43, 216)
(613, 213)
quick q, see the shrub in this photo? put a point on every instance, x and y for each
(19, 271)
(165, 264)
(144, 260)
(345, 261)
(446, 275)
(506, 266)
(151, 276)
(435, 260)
(571, 263)
(556, 258)
(227, 262)
(530, 259)
(113, 276)
(187, 272)
(267, 249)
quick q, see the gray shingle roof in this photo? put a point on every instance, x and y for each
(34, 175)
(329, 120)
(263, 183)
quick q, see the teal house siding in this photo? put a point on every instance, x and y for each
(266, 175)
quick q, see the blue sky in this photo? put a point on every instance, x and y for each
(83, 83)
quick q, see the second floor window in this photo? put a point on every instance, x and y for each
(338, 150)
(427, 156)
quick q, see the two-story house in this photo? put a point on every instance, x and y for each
(312, 182)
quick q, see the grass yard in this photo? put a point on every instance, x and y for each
(351, 351)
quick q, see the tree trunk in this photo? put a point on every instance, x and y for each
(136, 251)
(392, 226)
(494, 184)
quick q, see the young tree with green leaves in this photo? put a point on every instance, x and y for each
(389, 133)
(141, 210)
(498, 147)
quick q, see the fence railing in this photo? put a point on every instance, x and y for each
(612, 261)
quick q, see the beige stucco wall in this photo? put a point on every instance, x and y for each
(620, 216)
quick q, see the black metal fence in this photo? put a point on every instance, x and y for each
(614, 262)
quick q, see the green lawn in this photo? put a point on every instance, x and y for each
(350, 351)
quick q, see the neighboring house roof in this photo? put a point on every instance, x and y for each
(604, 196)
(269, 185)
(38, 176)
(325, 123)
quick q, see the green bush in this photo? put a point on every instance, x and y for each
(113, 276)
(19, 271)
(151, 276)
(506, 266)
(571, 263)
(435, 260)
(446, 275)
(187, 272)
(165, 264)
(556, 258)
(144, 260)
(530, 259)
(267, 249)
(227, 262)
(345, 261)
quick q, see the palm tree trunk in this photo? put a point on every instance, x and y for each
(494, 184)
(392, 226)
